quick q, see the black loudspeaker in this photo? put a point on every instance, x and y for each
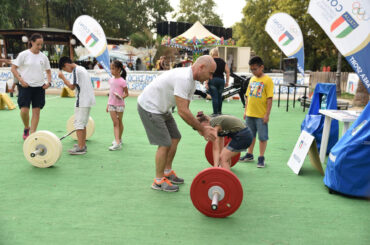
(165, 27)
(162, 28)
(229, 33)
(223, 33)
(159, 32)
(290, 70)
(213, 29)
(181, 27)
(209, 28)
(219, 31)
(173, 29)
(187, 26)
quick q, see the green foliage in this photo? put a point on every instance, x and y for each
(67, 11)
(319, 50)
(142, 39)
(251, 31)
(119, 19)
(198, 10)
(20, 13)
(157, 10)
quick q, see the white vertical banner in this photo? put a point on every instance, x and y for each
(347, 24)
(287, 34)
(92, 36)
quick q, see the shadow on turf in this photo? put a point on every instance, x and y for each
(333, 192)
(39, 171)
(310, 172)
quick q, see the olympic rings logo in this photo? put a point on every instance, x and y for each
(359, 11)
(293, 29)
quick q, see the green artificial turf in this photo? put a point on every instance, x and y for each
(105, 197)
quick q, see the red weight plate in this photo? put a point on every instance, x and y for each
(209, 155)
(216, 177)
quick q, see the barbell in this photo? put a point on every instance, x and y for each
(216, 192)
(43, 148)
(90, 127)
(209, 152)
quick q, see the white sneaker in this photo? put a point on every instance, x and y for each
(114, 142)
(115, 147)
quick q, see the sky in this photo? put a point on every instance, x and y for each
(230, 11)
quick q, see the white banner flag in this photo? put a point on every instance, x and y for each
(287, 34)
(92, 36)
(347, 24)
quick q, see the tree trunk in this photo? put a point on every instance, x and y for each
(362, 96)
(47, 14)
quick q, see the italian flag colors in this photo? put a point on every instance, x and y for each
(342, 26)
(91, 40)
(285, 38)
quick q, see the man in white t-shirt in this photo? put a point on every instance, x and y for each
(172, 88)
(85, 99)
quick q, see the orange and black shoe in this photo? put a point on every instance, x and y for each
(164, 185)
(171, 176)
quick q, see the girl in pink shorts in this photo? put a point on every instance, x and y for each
(116, 104)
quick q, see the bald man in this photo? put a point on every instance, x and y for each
(173, 87)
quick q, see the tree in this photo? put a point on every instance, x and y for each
(20, 13)
(142, 39)
(119, 19)
(251, 31)
(157, 10)
(198, 10)
(319, 50)
(125, 17)
(361, 96)
(68, 11)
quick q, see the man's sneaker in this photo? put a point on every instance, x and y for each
(115, 147)
(164, 185)
(77, 151)
(261, 162)
(26, 133)
(247, 158)
(171, 176)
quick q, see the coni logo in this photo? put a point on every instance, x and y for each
(91, 40)
(343, 26)
(286, 38)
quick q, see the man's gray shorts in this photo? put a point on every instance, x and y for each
(160, 128)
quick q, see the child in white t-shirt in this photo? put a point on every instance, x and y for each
(116, 103)
(85, 99)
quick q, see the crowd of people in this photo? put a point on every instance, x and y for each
(174, 87)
